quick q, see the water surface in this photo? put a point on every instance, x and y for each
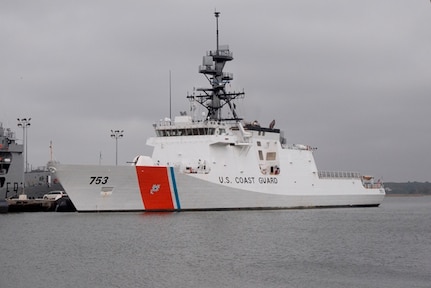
(389, 246)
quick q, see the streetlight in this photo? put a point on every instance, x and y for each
(116, 134)
(24, 123)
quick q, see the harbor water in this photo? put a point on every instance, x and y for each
(389, 246)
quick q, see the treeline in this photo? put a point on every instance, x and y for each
(413, 188)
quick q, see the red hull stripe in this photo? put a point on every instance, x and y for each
(155, 187)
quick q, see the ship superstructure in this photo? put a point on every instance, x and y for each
(216, 162)
(14, 181)
(11, 164)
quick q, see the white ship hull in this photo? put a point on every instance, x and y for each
(120, 189)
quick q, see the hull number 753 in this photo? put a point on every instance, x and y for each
(99, 180)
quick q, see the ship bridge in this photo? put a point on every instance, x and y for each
(185, 126)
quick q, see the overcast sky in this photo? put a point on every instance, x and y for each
(351, 78)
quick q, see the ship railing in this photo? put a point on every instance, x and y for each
(221, 52)
(194, 123)
(296, 146)
(367, 181)
(339, 174)
(372, 185)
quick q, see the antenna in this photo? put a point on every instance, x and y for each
(217, 14)
(170, 97)
(50, 149)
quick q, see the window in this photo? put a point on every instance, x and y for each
(271, 156)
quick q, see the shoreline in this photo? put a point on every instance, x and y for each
(406, 195)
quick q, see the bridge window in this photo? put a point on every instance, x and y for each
(187, 132)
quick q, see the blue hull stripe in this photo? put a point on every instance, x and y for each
(174, 185)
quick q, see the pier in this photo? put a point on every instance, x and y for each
(23, 204)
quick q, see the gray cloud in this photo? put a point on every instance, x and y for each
(352, 78)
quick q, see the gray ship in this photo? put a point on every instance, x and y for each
(13, 180)
(11, 164)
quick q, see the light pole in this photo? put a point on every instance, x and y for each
(24, 123)
(116, 134)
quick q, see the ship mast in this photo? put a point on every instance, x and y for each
(217, 14)
(216, 97)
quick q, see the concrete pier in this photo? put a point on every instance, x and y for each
(23, 204)
(30, 205)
